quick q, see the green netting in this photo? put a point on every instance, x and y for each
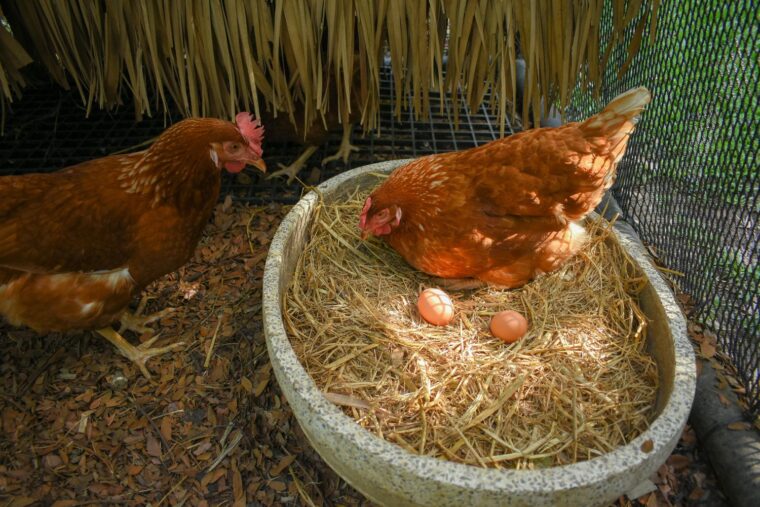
(690, 180)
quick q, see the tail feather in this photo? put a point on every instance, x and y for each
(623, 108)
(616, 121)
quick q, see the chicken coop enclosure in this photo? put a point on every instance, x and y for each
(689, 183)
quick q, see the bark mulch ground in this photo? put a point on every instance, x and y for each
(81, 426)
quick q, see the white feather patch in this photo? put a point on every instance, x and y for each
(87, 309)
(119, 276)
(578, 232)
(115, 277)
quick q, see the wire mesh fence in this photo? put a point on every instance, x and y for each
(48, 130)
(690, 181)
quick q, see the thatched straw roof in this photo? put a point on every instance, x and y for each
(217, 57)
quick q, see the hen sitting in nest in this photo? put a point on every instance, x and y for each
(504, 212)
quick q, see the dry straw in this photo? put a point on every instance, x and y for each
(579, 384)
(13, 57)
(216, 57)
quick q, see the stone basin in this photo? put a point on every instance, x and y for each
(392, 476)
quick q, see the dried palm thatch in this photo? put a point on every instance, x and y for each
(215, 57)
(12, 58)
(579, 384)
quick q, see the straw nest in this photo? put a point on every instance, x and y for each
(579, 384)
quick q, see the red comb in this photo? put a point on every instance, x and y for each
(252, 130)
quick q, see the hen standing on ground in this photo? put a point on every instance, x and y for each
(506, 211)
(78, 244)
(282, 129)
(318, 132)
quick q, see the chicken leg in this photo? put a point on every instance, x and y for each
(137, 322)
(345, 149)
(140, 354)
(292, 170)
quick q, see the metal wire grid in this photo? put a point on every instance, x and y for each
(690, 182)
(48, 130)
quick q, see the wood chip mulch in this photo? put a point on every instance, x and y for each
(81, 426)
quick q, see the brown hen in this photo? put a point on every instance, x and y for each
(76, 245)
(507, 211)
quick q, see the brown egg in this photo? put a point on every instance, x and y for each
(509, 326)
(435, 306)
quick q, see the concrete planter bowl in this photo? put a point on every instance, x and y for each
(391, 476)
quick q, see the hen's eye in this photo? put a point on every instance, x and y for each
(235, 147)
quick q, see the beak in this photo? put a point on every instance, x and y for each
(258, 163)
(365, 234)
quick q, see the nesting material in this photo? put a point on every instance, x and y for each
(579, 384)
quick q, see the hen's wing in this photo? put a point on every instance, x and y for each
(554, 172)
(64, 221)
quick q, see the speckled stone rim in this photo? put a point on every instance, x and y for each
(598, 479)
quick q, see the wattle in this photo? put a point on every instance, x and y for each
(234, 167)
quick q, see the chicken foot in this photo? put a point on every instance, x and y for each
(140, 354)
(137, 322)
(345, 149)
(295, 167)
